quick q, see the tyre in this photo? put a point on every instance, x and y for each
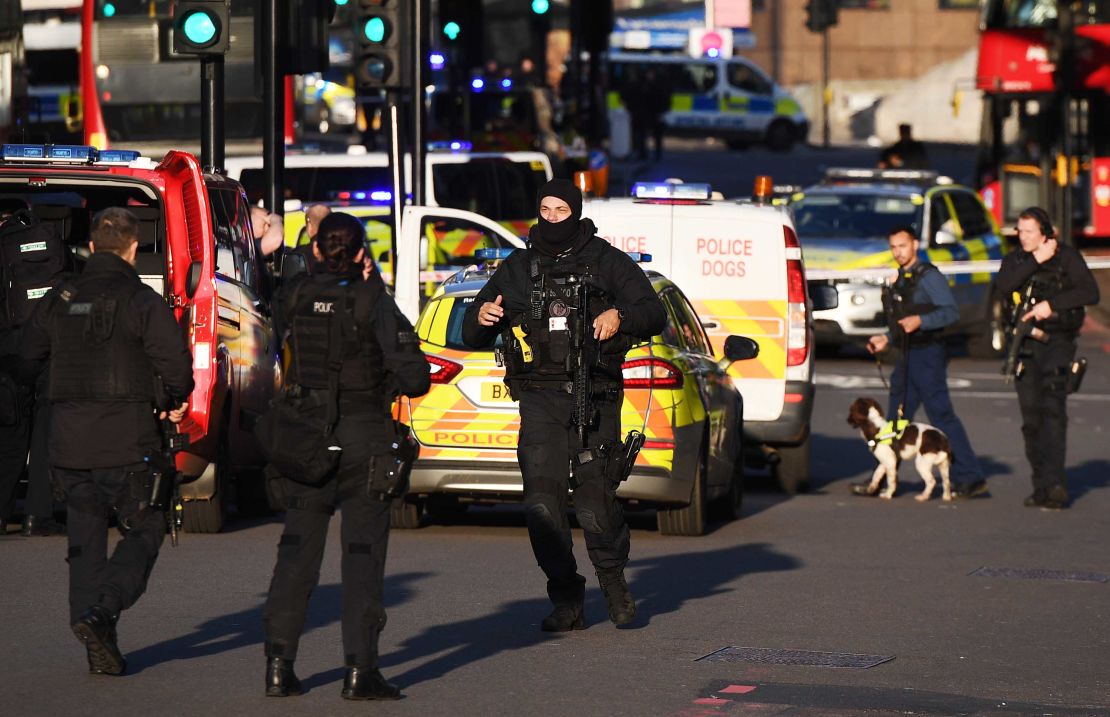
(406, 514)
(792, 471)
(689, 519)
(728, 506)
(990, 341)
(780, 136)
(209, 516)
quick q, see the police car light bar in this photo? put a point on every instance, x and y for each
(493, 254)
(67, 154)
(880, 175)
(454, 145)
(671, 190)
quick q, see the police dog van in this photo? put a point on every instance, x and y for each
(740, 265)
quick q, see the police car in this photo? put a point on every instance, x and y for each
(676, 393)
(196, 248)
(730, 98)
(843, 224)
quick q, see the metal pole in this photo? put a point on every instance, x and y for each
(218, 110)
(398, 188)
(419, 8)
(826, 101)
(273, 102)
(207, 111)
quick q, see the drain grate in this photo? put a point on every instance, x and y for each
(1077, 576)
(769, 656)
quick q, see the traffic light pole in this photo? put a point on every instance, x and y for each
(212, 111)
(419, 16)
(826, 101)
(273, 103)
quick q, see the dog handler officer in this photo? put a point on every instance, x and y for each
(921, 377)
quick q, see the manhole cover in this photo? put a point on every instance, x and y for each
(1078, 576)
(771, 656)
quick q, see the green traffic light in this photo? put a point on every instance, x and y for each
(341, 2)
(452, 30)
(109, 9)
(541, 6)
(199, 28)
(374, 29)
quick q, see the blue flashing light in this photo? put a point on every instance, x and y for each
(455, 145)
(67, 154)
(541, 6)
(640, 257)
(199, 28)
(493, 254)
(359, 196)
(109, 10)
(437, 60)
(671, 190)
(381, 195)
(507, 83)
(477, 84)
(714, 52)
(117, 156)
(452, 30)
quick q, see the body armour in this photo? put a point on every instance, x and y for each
(540, 344)
(899, 303)
(315, 305)
(1049, 281)
(94, 356)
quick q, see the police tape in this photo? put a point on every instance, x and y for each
(948, 268)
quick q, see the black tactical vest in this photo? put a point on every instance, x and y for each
(316, 303)
(1049, 281)
(94, 355)
(899, 303)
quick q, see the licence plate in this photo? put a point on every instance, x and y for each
(495, 393)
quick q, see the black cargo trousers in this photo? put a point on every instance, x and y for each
(548, 442)
(1043, 395)
(114, 583)
(364, 535)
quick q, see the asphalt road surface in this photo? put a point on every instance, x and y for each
(981, 607)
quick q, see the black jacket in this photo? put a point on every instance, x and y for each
(622, 280)
(407, 369)
(1081, 288)
(105, 434)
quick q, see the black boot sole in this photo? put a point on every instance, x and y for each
(367, 698)
(579, 624)
(283, 692)
(104, 658)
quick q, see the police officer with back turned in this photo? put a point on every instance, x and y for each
(338, 322)
(110, 340)
(1059, 284)
(563, 250)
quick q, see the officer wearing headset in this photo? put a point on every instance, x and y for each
(1062, 286)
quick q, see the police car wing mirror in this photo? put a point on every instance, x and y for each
(739, 348)
(192, 278)
(822, 296)
(943, 237)
(292, 265)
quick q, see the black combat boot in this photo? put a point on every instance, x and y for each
(96, 629)
(567, 614)
(367, 683)
(280, 679)
(622, 608)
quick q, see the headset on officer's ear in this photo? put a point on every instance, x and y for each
(1041, 217)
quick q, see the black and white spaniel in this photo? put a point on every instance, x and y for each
(928, 446)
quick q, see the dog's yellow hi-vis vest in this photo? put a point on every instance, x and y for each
(892, 430)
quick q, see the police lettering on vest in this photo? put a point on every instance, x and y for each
(315, 305)
(96, 357)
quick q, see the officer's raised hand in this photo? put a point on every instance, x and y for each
(491, 312)
(606, 325)
(1046, 250)
(175, 415)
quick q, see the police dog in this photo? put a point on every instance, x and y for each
(928, 446)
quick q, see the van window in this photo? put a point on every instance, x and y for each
(744, 77)
(689, 77)
(317, 184)
(496, 188)
(221, 228)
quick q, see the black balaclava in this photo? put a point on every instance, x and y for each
(555, 238)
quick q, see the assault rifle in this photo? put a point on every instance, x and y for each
(165, 479)
(1019, 331)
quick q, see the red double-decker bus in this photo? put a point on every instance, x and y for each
(1046, 125)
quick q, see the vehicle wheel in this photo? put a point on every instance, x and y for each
(728, 506)
(780, 136)
(792, 471)
(406, 514)
(209, 516)
(689, 519)
(990, 341)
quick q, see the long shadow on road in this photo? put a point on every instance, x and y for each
(244, 628)
(662, 585)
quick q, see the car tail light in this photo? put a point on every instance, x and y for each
(651, 373)
(442, 370)
(797, 327)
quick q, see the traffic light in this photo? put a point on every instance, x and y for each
(821, 15)
(461, 25)
(202, 27)
(303, 36)
(541, 6)
(383, 28)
